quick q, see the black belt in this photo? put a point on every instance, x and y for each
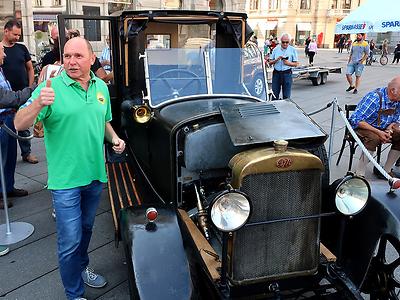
(283, 72)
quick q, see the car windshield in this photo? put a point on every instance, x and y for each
(176, 73)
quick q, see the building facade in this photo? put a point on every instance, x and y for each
(299, 18)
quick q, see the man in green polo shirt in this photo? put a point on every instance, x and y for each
(76, 113)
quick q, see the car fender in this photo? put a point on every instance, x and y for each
(381, 216)
(157, 263)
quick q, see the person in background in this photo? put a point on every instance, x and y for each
(306, 43)
(371, 49)
(284, 58)
(341, 43)
(18, 70)
(312, 50)
(54, 54)
(76, 184)
(105, 57)
(348, 45)
(396, 53)
(385, 46)
(9, 101)
(374, 120)
(358, 55)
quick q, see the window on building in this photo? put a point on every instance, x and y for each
(216, 5)
(305, 4)
(38, 2)
(273, 4)
(334, 4)
(57, 2)
(346, 4)
(254, 4)
(92, 27)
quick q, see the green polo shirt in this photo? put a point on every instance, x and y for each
(74, 128)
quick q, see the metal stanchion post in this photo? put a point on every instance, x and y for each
(332, 132)
(11, 233)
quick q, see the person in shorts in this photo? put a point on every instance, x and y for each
(358, 55)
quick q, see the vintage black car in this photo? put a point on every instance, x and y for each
(224, 195)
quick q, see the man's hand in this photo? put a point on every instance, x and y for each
(385, 136)
(47, 95)
(118, 145)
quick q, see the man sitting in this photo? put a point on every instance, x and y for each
(375, 119)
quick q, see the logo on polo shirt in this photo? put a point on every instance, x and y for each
(101, 98)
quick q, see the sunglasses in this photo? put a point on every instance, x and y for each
(285, 42)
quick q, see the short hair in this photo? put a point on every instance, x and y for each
(11, 23)
(71, 33)
(286, 34)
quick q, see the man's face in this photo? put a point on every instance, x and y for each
(2, 54)
(359, 37)
(12, 35)
(77, 59)
(395, 94)
(285, 42)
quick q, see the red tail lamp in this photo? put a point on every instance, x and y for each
(151, 214)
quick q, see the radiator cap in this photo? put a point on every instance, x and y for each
(280, 145)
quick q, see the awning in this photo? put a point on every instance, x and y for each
(45, 17)
(303, 26)
(271, 25)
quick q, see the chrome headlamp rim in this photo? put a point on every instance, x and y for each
(219, 196)
(344, 180)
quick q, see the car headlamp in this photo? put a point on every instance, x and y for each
(352, 195)
(230, 210)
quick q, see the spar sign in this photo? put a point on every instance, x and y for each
(359, 27)
(390, 25)
(349, 27)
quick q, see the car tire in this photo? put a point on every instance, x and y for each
(316, 80)
(383, 60)
(258, 87)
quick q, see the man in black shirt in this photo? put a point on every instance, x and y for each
(54, 55)
(18, 70)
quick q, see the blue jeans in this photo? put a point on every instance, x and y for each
(8, 152)
(281, 80)
(25, 145)
(75, 213)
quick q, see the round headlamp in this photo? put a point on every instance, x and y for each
(352, 195)
(230, 210)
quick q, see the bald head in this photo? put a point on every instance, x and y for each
(394, 89)
(78, 58)
(80, 41)
(54, 33)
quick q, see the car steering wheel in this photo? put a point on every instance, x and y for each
(177, 92)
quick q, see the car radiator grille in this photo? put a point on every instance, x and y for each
(285, 248)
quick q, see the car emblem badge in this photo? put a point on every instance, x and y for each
(284, 162)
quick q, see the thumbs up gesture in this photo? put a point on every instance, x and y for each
(47, 95)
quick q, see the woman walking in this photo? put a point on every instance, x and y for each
(396, 52)
(312, 50)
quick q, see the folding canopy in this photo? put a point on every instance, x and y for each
(372, 16)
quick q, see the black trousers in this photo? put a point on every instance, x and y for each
(311, 57)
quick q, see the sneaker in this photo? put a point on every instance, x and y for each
(92, 279)
(30, 158)
(350, 88)
(4, 250)
(355, 91)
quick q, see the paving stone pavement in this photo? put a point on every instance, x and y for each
(30, 270)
